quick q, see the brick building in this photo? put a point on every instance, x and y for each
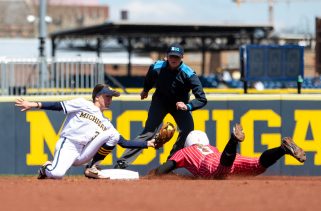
(63, 14)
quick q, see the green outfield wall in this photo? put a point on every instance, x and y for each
(27, 139)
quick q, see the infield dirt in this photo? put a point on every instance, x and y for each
(166, 193)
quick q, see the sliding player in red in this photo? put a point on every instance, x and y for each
(205, 161)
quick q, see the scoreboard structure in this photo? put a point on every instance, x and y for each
(271, 63)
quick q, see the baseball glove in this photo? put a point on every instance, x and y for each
(164, 135)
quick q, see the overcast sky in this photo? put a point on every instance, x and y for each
(289, 15)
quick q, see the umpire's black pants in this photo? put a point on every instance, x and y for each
(159, 108)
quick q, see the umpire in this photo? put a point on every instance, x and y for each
(173, 81)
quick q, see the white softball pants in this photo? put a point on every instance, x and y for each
(69, 153)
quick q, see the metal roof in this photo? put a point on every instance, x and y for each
(155, 37)
(156, 29)
(148, 37)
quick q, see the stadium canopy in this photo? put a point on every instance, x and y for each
(146, 38)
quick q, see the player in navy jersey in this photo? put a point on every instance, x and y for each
(84, 131)
(205, 161)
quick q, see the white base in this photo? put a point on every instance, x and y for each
(120, 174)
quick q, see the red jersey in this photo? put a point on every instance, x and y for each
(204, 161)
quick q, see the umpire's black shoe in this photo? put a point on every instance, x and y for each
(121, 164)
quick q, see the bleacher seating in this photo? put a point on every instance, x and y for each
(213, 82)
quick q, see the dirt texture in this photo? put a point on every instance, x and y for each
(160, 193)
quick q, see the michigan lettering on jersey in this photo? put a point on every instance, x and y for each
(94, 119)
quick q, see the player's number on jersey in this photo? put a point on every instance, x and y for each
(96, 134)
(205, 150)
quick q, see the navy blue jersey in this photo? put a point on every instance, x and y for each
(175, 85)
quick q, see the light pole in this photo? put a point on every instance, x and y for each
(42, 27)
(42, 44)
(42, 20)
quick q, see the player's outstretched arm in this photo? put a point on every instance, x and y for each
(135, 144)
(25, 105)
(166, 167)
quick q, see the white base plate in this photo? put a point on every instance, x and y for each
(120, 174)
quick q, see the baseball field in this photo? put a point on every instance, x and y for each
(160, 193)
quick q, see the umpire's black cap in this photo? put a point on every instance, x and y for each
(175, 49)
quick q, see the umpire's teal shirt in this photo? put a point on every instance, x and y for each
(175, 85)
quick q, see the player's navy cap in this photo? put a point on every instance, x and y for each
(175, 49)
(108, 91)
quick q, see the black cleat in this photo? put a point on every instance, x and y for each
(121, 164)
(42, 170)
